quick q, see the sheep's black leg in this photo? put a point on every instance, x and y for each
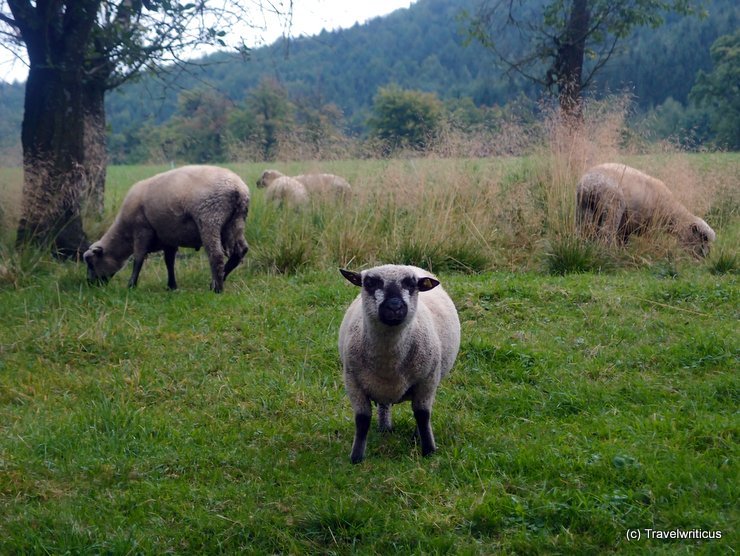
(240, 251)
(169, 261)
(138, 263)
(362, 426)
(142, 240)
(424, 426)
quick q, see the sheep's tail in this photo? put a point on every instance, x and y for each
(233, 229)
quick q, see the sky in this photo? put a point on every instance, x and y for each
(309, 18)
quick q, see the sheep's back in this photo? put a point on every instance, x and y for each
(287, 189)
(324, 183)
(645, 197)
(172, 202)
(435, 310)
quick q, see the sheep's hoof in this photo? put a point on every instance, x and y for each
(354, 459)
(428, 451)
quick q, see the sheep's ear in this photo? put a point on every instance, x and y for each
(353, 277)
(425, 284)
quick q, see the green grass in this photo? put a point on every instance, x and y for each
(595, 392)
(147, 421)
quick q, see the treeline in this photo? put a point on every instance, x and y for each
(11, 116)
(268, 125)
(328, 85)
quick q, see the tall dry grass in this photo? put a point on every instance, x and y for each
(446, 212)
(11, 188)
(468, 213)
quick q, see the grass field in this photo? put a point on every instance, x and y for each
(581, 407)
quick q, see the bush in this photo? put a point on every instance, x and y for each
(569, 254)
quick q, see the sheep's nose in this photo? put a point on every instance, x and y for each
(393, 311)
(394, 303)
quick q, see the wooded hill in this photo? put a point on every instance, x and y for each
(421, 48)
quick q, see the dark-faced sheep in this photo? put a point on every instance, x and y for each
(192, 206)
(615, 201)
(399, 337)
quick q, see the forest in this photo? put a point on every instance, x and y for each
(316, 97)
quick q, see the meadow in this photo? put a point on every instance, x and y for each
(595, 394)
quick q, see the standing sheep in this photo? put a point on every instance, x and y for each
(186, 207)
(397, 340)
(614, 201)
(285, 190)
(321, 185)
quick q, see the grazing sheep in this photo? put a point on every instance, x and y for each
(323, 185)
(397, 340)
(267, 177)
(615, 201)
(285, 190)
(186, 207)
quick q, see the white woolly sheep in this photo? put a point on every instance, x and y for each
(267, 177)
(185, 207)
(397, 340)
(317, 185)
(614, 201)
(285, 190)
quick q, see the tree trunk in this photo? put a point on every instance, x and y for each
(53, 154)
(95, 149)
(569, 61)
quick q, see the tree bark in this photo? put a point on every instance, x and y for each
(95, 148)
(568, 66)
(52, 136)
(56, 35)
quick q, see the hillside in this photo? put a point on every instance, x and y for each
(421, 47)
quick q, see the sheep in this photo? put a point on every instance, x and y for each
(285, 190)
(267, 177)
(614, 201)
(398, 339)
(185, 207)
(317, 185)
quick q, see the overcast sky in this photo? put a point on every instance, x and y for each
(309, 18)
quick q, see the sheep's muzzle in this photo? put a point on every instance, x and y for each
(392, 311)
(95, 280)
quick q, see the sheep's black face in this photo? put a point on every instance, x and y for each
(390, 292)
(391, 297)
(95, 280)
(698, 239)
(100, 267)
(393, 309)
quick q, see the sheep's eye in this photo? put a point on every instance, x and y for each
(372, 283)
(408, 284)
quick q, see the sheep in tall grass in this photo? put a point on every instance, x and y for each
(286, 191)
(397, 340)
(615, 201)
(185, 207)
(317, 185)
